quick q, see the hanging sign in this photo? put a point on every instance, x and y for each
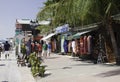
(62, 29)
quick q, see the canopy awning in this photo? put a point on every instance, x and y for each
(77, 35)
(48, 36)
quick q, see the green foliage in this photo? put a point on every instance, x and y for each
(23, 49)
(44, 28)
(36, 67)
(78, 12)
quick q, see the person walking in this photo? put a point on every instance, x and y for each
(0, 50)
(6, 48)
(49, 49)
(44, 50)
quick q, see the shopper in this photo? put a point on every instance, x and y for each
(49, 49)
(44, 49)
(0, 50)
(6, 48)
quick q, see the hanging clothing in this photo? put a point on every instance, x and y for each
(73, 47)
(53, 46)
(89, 42)
(65, 45)
(81, 45)
(62, 42)
(70, 46)
(77, 46)
(85, 45)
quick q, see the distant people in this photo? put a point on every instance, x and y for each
(6, 49)
(49, 49)
(0, 49)
(44, 49)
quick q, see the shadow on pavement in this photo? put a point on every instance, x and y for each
(2, 64)
(82, 60)
(109, 73)
(67, 68)
(52, 57)
(53, 69)
(60, 68)
(4, 81)
(47, 74)
(85, 64)
(8, 60)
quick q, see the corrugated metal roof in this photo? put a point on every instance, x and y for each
(23, 21)
(27, 21)
(48, 36)
(44, 22)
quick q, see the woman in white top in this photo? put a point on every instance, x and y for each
(73, 46)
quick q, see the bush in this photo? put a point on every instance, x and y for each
(36, 67)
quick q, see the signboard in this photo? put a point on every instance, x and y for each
(62, 29)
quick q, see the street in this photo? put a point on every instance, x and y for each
(10, 72)
(59, 68)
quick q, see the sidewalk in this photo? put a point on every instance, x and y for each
(61, 68)
(10, 72)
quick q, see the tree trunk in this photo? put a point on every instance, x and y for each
(114, 44)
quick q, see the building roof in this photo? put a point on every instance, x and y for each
(23, 21)
(27, 21)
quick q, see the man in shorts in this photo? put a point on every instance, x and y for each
(44, 50)
(0, 49)
(6, 48)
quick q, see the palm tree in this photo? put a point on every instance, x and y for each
(82, 12)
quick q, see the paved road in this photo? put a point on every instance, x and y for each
(10, 72)
(59, 69)
(68, 69)
(8, 69)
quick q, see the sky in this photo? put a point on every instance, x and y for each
(10, 10)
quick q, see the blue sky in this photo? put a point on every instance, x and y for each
(10, 10)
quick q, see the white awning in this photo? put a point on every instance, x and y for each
(80, 33)
(48, 36)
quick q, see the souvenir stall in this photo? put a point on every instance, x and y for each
(53, 44)
(62, 32)
(88, 44)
